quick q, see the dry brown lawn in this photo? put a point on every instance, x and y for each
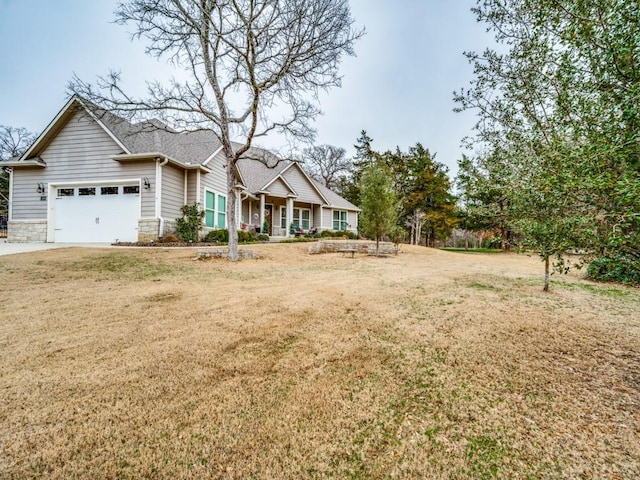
(143, 363)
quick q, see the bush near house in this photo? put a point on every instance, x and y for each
(222, 236)
(189, 226)
(338, 234)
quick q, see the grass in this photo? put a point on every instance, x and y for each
(143, 363)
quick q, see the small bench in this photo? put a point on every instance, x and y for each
(352, 251)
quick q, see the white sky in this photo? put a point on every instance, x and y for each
(398, 88)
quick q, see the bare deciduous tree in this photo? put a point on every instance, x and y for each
(327, 164)
(415, 222)
(252, 66)
(13, 142)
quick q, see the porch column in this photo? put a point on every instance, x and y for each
(261, 212)
(321, 218)
(289, 214)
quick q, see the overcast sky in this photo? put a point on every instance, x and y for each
(398, 88)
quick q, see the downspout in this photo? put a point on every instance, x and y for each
(10, 206)
(198, 187)
(159, 166)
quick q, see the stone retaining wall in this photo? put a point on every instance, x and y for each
(224, 253)
(27, 231)
(360, 246)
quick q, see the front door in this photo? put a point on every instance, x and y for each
(268, 216)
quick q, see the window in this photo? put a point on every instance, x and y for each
(131, 189)
(301, 218)
(108, 190)
(222, 211)
(283, 217)
(87, 191)
(215, 210)
(339, 220)
(65, 192)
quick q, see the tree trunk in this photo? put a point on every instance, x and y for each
(466, 241)
(232, 221)
(377, 245)
(546, 274)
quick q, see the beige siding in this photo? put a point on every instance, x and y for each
(305, 190)
(353, 221)
(79, 153)
(191, 186)
(327, 220)
(172, 192)
(216, 180)
(278, 188)
(316, 217)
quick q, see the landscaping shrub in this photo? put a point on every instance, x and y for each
(246, 237)
(263, 237)
(298, 240)
(188, 227)
(217, 236)
(222, 236)
(617, 269)
(338, 234)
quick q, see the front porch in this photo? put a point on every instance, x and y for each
(277, 216)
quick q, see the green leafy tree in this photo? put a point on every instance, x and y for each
(559, 110)
(483, 194)
(378, 202)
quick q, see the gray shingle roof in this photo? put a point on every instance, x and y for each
(258, 167)
(334, 199)
(190, 148)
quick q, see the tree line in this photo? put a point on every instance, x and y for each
(411, 189)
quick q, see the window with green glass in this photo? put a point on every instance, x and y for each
(215, 210)
(222, 211)
(302, 218)
(210, 209)
(339, 220)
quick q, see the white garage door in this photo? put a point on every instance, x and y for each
(101, 213)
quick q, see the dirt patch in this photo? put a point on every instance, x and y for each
(141, 363)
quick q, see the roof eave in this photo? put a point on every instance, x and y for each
(32, 162)
(132, 157)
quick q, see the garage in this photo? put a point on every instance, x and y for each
(96, 213)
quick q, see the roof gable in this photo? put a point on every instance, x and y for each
(57, 124)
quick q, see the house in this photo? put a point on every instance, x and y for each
(92, 176)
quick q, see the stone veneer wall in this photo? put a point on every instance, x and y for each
(148, 229)
(27, 231)
(169, 227)
(360, 246)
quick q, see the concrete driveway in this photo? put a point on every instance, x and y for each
(7, 248)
